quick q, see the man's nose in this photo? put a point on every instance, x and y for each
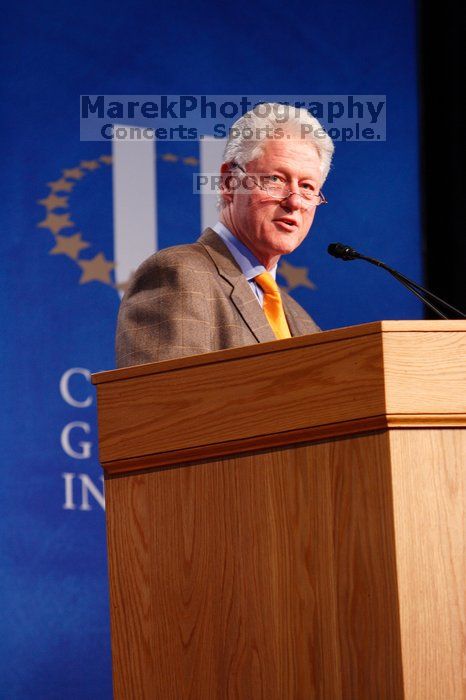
(292, 202)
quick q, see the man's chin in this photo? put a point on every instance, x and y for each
(286, 244)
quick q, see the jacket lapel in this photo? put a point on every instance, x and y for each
(241, 295)
(293, 321)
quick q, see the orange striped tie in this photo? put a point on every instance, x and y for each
(273, 306)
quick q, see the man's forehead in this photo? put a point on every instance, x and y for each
(296, 153)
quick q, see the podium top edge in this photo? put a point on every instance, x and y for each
(334, 335)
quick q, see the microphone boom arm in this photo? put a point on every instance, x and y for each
(344, 252)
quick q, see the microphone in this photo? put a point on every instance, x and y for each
(345, 252)
(338, 250)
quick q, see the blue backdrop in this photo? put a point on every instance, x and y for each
(59, 302)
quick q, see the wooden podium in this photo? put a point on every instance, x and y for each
(285, 519)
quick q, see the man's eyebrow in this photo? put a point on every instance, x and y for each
(287, 169)
(281, 171)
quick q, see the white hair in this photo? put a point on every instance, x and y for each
(248, 135)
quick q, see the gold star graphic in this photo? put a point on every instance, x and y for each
(56, 222)
(106, 159)
(89, 164)
(73, 173)
(54, 202)
(98, 269)
(190, 160)
(169, 157)
(61, 185)
(295, 276)
(69, 245)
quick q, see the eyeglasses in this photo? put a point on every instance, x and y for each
(280, 190)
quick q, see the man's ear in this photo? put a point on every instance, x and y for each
(225, 177)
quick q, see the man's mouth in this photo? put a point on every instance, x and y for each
(288, 224)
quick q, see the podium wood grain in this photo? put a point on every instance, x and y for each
(328, 384)
(293, 529)
(270, 576)
(428, 469)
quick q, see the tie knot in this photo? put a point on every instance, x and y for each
(267, 283)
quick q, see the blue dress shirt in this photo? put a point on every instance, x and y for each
(249, 264)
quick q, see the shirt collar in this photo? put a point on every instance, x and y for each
(249, 264)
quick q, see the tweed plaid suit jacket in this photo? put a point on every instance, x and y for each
(190, 299)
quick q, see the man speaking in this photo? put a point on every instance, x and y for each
(220, 292)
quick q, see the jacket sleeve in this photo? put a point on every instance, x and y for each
(164, 314)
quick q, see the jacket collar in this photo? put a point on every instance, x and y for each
(242, 295)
